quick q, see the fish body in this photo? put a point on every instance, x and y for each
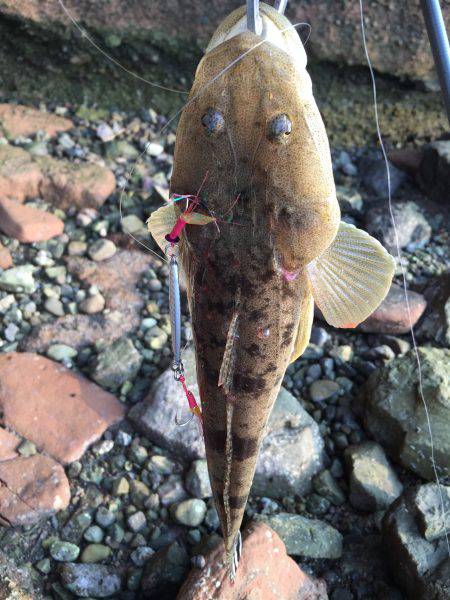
(254, 142)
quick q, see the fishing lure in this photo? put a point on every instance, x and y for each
(257, 132)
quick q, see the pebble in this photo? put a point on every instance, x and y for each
(18, 280)
(325, 485)
(141, 555)
(104, 517)
(121, 486)
(64, 551)
(54, 306)
(133, 224)
(136, 521)
(323, 389)
(154, 149)
(102, 250)
(92, 304)
(93, 534)
(197, 479)
(90, 580)
(190, 512)
(94, 553)
(76, 248)
(61, 352)
(27, 448)
(139, 492)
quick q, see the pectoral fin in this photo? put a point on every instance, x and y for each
(351, 278)
(160, 223)
(304, 326)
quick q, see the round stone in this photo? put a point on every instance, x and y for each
(54, 306)
(104, 517)
(102, 250)
(323, 389)
(190, 512)
(94, 553)
(93, 534)
(92, 304)
(64, 551)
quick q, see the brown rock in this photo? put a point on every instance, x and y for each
(392, 314)
(28, 224)
(265, 572)
(20, 176)
(5, 258)
(8, 444)
(16, 120)
(406, 159)
(57, 409)
(30, 489)
(66, 184)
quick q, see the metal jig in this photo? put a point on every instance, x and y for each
(254, 23)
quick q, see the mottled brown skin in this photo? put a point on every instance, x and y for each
(286, 215)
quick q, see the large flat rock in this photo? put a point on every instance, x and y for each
(59, 410)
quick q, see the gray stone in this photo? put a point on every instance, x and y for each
(305, 537)
(413, 229)
(164, 572)
(61, 352)
(326, 485)
(141, 555)
(116, 364)
(102, 250)
(394, 413)
(133, 224)
(92, 304)
(54, 306)
(291, 452)
(350, 200)
(373, 482)
(104, 517)
(18, 279)
(190, 512)
(197, 479)
(139, 493)
(94, 553)
(412, 558)
(374, 176)
(64, 551)
(136, 521)
(323, 389)
(74, 528)
(93, 534)
(428, 501)
(97, 581)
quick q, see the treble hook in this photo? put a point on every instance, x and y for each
(183, 423)
(254, 23)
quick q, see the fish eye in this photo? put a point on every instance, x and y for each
(279, 128)
(213, 121)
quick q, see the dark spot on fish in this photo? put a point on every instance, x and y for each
(247, 383)
(257, 315)
(271, 367)
(287, 336)
(244, 447)
(237, 502)
(253, 350)
(289, 291)
(215, 440)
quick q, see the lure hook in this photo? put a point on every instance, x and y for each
(183, 423)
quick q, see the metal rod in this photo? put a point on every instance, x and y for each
(253, 18)
(439, 45)
(280, 6)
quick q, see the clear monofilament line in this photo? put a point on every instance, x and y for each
(405, 285)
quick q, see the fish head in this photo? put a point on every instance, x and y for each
(252, 128)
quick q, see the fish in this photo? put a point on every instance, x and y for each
(252, 149)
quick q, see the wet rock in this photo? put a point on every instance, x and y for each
(92, 304)
(323, 389)
(116, 364)
(59, 410)
(5, 258)
(164, 572)
(197, 480)
(373, 482)
(66, 184)
(17, 121)
(96, 581)
(264, 570)
(73, 529)
(136, 521)
(16, 582)
(428, 501)
(139, 493)
(291, 452)
(391, 317)
(325, 484)
(94, 553)
(305, 537)
(395, 416)
(28, 224)
(435, 325)
(20, 176)
(374, 176)
(413, 229)
(413, 559)
(434, 174)
(54, 306)
(406, 159)
(18, 279)
(32, 488)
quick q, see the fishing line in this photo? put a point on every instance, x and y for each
(405, 285)
(85, 34)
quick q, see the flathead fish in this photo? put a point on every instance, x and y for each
(253, 141)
